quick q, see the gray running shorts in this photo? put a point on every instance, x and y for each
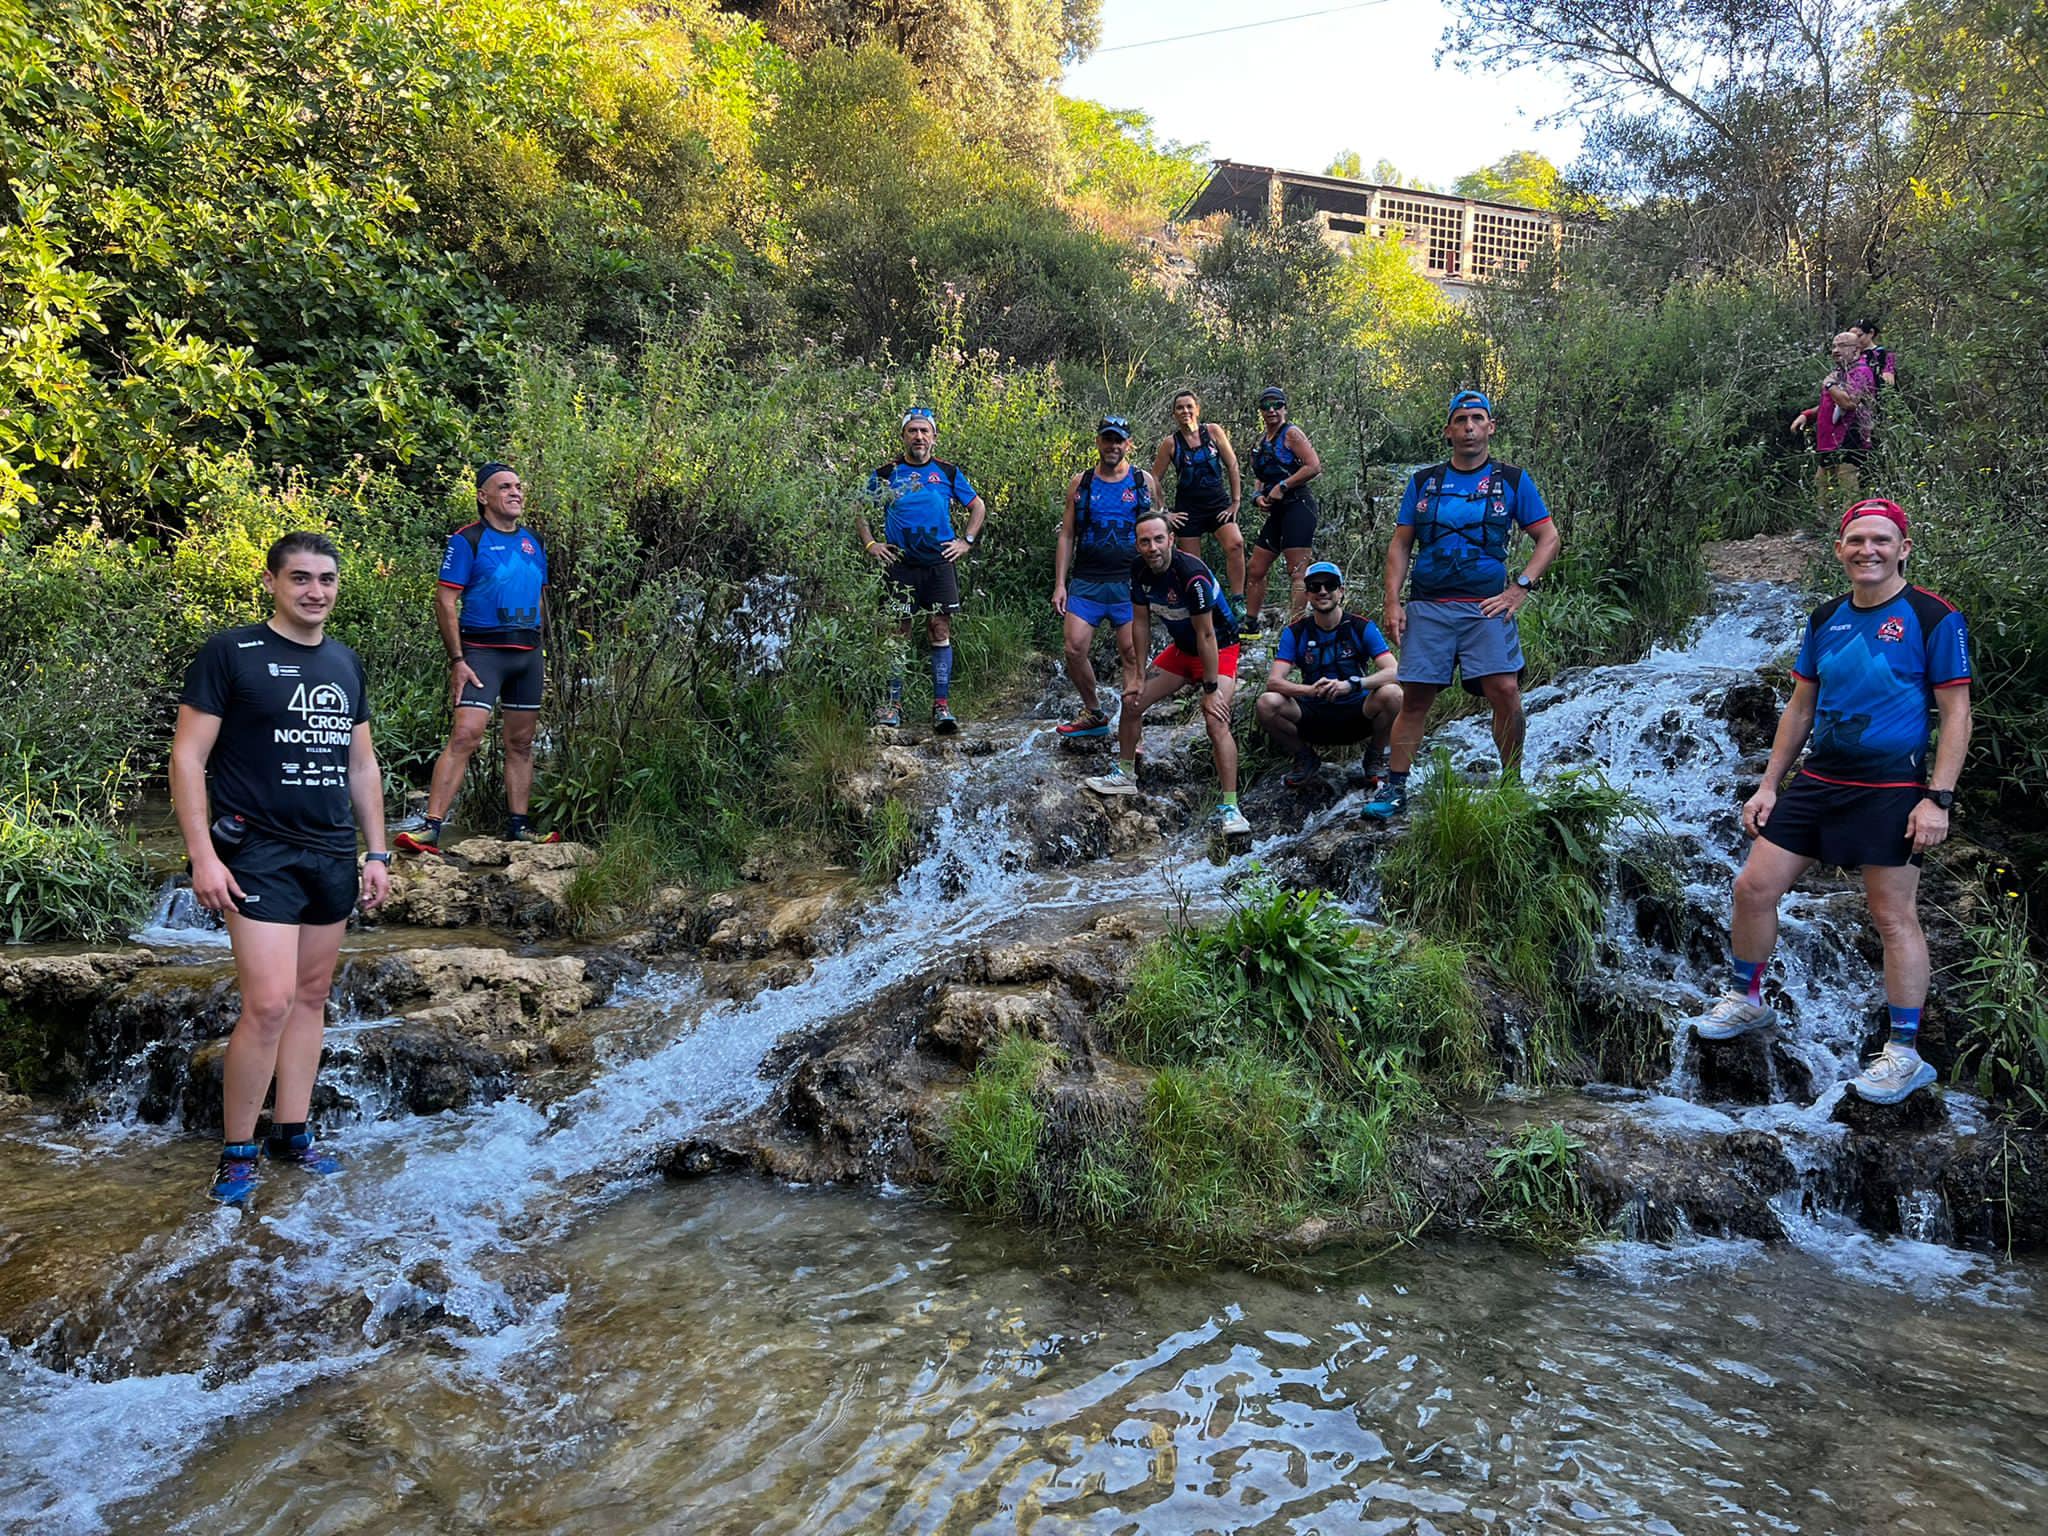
(1449, 637)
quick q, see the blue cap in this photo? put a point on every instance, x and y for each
(1114, 426)
(1272, 394)
(1468, 400)
(485, 471)
(1324, 568)
(919, 413)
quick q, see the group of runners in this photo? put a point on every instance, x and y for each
(275, 778)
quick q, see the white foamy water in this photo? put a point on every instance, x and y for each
(177, 921)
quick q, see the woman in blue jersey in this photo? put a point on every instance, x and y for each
(1283, 463)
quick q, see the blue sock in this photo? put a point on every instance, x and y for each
(1905, 1026)
(896, 689)
(1749, 976)
(1397, 778)
(942, 671)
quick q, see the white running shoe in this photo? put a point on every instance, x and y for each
(1114, 782)
(1230, 821)
(1731, 1016)
(1895, 1073)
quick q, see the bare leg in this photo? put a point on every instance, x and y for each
(1280, 718)
(1767, 874)
(517, 732)
(298, 1051)
(1231, 537)
(1080, 638)
(1255, 583)
(1221, 742)
(1382, 708)
(471, 721)
(1407, 734)
(1297, 595)
(266, 970)
(1510, 725)
(1894, 893)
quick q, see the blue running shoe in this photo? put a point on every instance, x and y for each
(1389, 802)
(235, 1178)
(301, 1152)
(1896, 1074)
(1088, 724)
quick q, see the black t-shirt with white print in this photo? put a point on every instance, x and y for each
(287, 715)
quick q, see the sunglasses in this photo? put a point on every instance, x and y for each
(1320, 586)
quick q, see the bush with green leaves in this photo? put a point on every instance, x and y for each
(2002, 980)
(63, 875)
(1533, 1192)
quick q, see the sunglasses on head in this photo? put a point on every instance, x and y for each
(1321, 584)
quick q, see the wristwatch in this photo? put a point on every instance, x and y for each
(1941, 797)
(376, 858)
(1525, 583)
(968, 539)
(1212, 685)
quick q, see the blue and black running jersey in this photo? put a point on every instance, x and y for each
(917, 502)
(500, 577)
(1876, 670)
(1184, 589)
(1462, 520)
(1106, 517)
(1349, 650)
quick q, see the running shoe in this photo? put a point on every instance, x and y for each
(235, 1178)
(528, 835)
(942, 719)
(889, 714)
(1114, 782)
(425, 841)
(1895, 1073)
(301, 1152)
(1250, 630)
(1388, 802)
(1229, 821)
(1732, 1016)
(1090, 722)
(1308, 767)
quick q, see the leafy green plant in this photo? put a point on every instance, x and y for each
(62, 874)
(1534, 1191)
(2003, 982)
(889, 844)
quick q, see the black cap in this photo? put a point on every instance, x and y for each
(485, 471)
(1272, 394)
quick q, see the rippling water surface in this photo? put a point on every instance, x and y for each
(738, 1357)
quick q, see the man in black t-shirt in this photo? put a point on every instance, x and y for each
(274, 731)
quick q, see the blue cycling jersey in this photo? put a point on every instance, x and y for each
(917, 502)
(1462, 528)
(1106, 524)
(1876, 670)
(500, 576)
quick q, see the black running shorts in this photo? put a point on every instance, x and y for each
(511, 678)
(1851, 825)
(1334, 722)
(924, 588)
(1200, 521)
(284, 883)
(1291, 525)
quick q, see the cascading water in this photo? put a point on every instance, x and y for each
(470, 1202)
(177, 921)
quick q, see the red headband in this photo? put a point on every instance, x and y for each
(1876, 507)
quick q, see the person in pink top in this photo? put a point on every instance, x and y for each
(1842, 422)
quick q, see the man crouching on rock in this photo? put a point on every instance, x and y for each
(274, 731)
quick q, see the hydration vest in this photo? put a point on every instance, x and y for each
(1198, 472)
(1273, 461)
(1084, 517)
(1317, 647)
(1490, 539)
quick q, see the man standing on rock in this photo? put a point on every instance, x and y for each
(272, 772)
(1456, 522)
(494, 577)
(918, 550)
(1091, 580)
(1347, 691)
(1202, 654)
(1871, 665)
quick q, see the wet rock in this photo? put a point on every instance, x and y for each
(1657, 1188)
(754, 924)
(1751, 711)
(1915, 1114)
(487, 882)
(1751, 1069)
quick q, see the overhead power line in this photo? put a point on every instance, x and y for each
(1243, 26)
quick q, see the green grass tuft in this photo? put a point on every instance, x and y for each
(992, 1136)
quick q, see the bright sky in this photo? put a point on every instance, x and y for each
(1294, 93)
